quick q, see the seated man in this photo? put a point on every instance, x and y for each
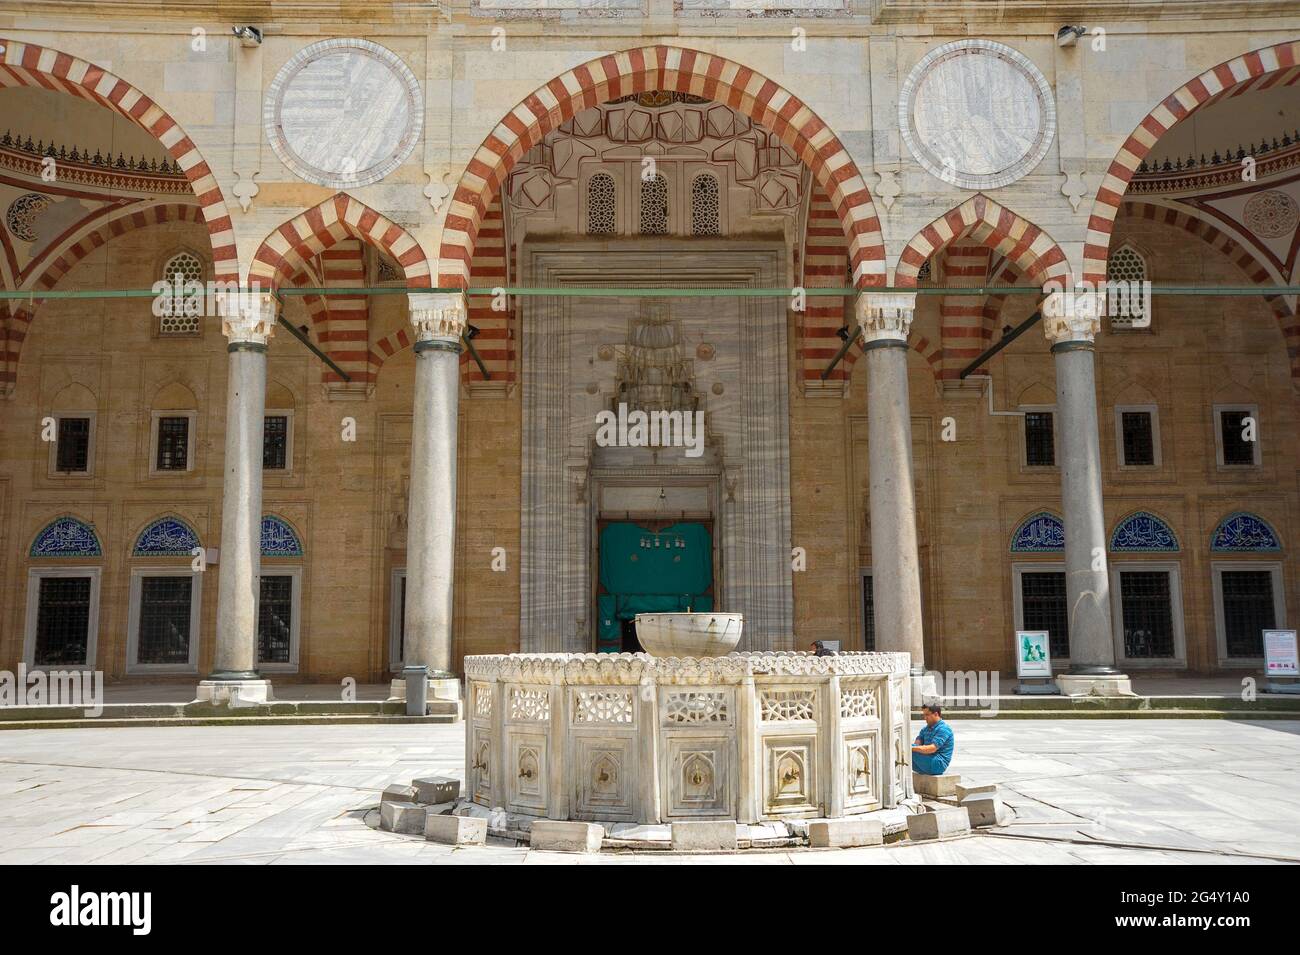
(932, 750)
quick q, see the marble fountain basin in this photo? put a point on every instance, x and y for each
(689, 634)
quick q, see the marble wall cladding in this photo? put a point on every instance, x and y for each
(566, 383)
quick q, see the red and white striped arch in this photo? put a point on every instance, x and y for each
(283, 252)
(982, 221)
(1258, 69)
(1241, 257)
(26, 64)
(672, 69)
(21, 313)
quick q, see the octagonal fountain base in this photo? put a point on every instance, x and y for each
(633, 738)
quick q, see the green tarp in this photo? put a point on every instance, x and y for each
(640, 577)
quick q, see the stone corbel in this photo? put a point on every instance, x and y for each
(438, 317)
(1073, 315)
(247, 317)
(885, 316)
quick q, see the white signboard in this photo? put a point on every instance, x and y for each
(1280, 653)
(1033, 654)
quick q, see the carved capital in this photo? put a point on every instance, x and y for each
(1072, 315)
(438, 315)
(247, 316)
(885, 316)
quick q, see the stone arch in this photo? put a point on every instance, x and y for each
(673, 69)
(283, 252)
(1040, 532)
(1235, 75)
(66, 536)
(1244, 532)
(279, 538)
(22, 312)
(991, 224)
(27, 64)
(1223, 243)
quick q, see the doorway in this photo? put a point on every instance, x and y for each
(649, 568)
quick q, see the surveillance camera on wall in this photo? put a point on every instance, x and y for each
(248, 36)
(1069, 36)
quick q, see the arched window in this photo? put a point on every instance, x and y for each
(1038, 580)
(179, 314)
(63, 595)
(163, 620)
(1126, 271)
(705, 215)
(654, 205)
(601, 215)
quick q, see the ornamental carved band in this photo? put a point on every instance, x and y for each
(1073, 315)
(247, 316)
(438, 316)
(885, 316)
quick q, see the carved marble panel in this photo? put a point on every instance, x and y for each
(697, 707)
(529, 705)
(699, 774)
(611, 706)
(526, 773)
(789, 774)
(606, 778)
(784, 706)
(480, 770)
(862, 775)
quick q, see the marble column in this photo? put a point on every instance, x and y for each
(885, 319)
(439, 321)
(1071, 320)
(247, 321)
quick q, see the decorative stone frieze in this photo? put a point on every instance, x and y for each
(1073, 315)
(438, 316)
(247, 316)
(885, 316)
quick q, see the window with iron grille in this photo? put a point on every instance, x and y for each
(706, 217)
(601, 208)
(181, 305)
(1148, 614)
(1237, 451)
(275, 619)
(1040, 443)
(275, 442)
(173, 444)
(1248, 609)
(164, 629)
(73, 455)
(62, 621)
(1139, 438)
(868, 613)
(1043, 607)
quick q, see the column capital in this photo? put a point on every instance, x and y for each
(885, 316)
(1072, 315)
(438, 315)
(247, 315)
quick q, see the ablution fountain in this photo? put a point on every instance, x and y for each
(690, 730)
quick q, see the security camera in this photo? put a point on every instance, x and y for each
(248, 36)
(1069, 36)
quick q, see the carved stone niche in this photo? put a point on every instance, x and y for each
(633, 738)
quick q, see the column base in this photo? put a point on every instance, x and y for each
(440, 688)
(219, 690)
(1094, 684)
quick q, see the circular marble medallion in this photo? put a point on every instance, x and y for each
(977, 114)
(343, 112)
(1271, 214)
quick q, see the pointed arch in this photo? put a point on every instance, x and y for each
(29, 65)
(673, 69)
(1142, 532)
(66, 536)
(1258, 69)
(986, 222)
(1042, 532)
(310, 233)
(168, 536)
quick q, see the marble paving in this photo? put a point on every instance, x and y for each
(1084, 792)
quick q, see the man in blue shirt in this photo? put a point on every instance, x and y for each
(932, 750)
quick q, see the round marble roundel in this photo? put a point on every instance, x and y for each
(977, 114)
(343, 112)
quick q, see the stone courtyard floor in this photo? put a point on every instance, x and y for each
(1084, 791)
